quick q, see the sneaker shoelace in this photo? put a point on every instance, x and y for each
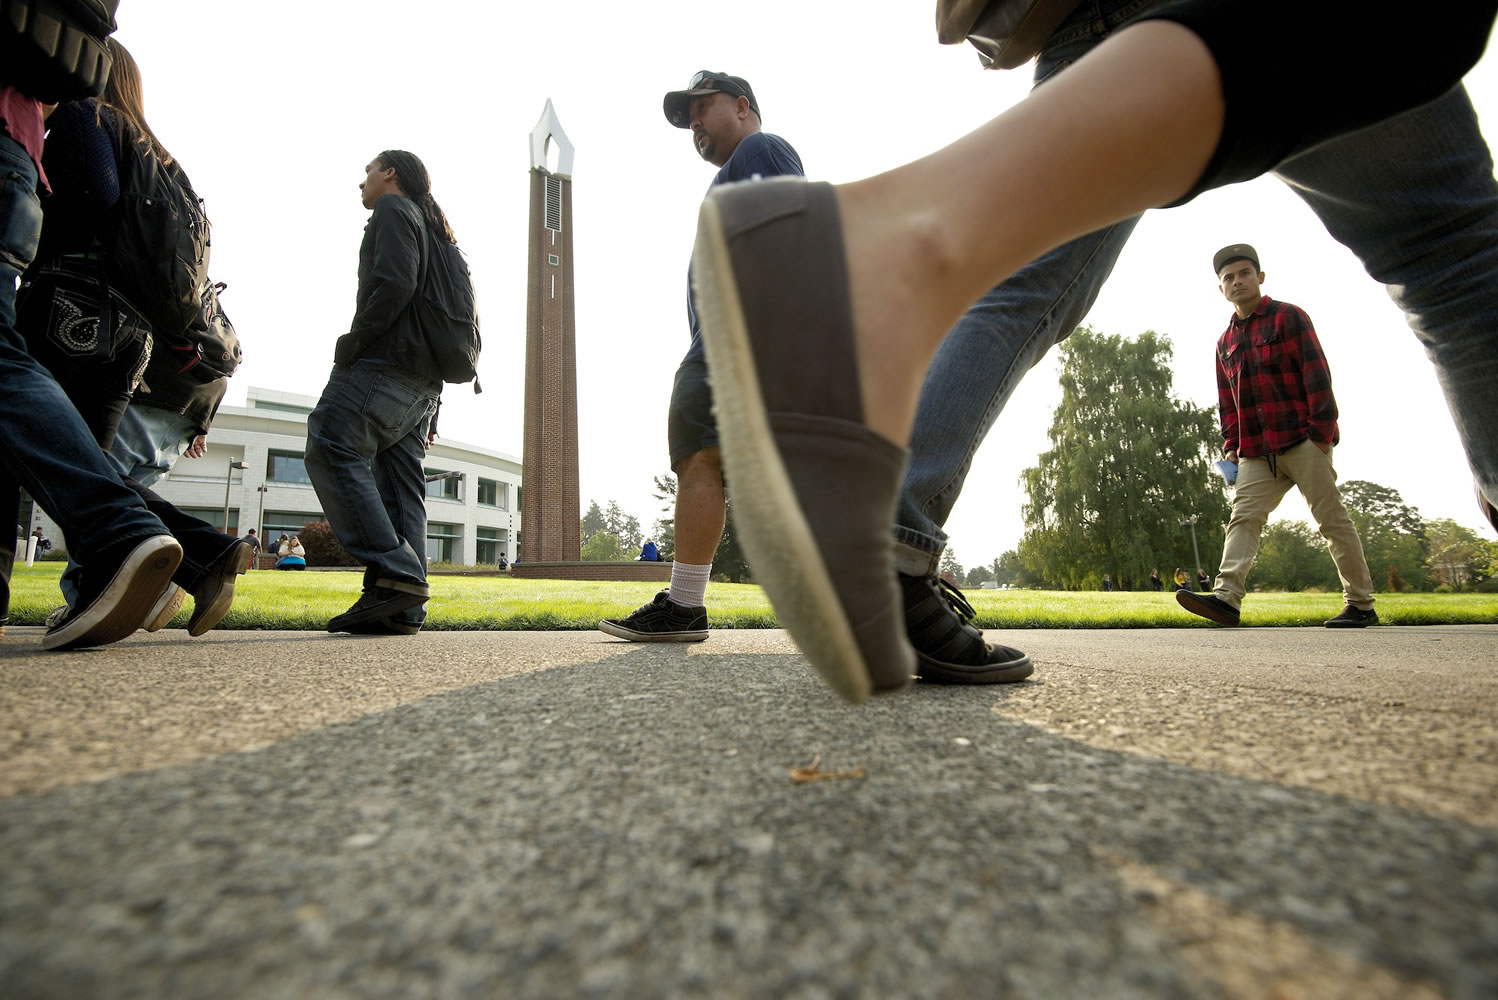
(949, 593)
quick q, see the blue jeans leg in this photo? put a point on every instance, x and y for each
(1414, 198)
(1003, 336)
(44, 444)
(373, 414)
(975, 371)
(146, 444)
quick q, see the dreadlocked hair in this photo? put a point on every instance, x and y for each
(126, 95)
(411, 175)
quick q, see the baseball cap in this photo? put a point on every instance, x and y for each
(706, 82)
(1238, 251)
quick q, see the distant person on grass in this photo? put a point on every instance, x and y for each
(370, 430)
(724, 119)
(1279, 423)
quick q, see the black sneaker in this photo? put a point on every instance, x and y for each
(949, 649)
(1353, 617)
(388, 598)
(382, 626)
(1208, 606)
(121, 605)
(214, 591)
(662, 620)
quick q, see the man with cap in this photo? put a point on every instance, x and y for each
(1279, 423)
(723, 115)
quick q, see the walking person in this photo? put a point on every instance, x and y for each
(1279, 423)
(723, 115)
(46, 447)
(74, 284)
(370, 429)
(846, 292)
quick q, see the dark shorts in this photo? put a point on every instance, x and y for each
(1331, 73)
(690, 425)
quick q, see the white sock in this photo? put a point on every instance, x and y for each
(689, 584)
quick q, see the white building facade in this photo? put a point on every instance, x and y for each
(472, 518)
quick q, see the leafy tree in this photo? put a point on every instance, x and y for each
(1006, 568)
(728, 559)
(1292, 556)
(979, 575)
(1128, 462)
(1458, 558)
(605, 547)
(592, 522)
(949, 563)
(1393, 533)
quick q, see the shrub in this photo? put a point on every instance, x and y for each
(322, 547)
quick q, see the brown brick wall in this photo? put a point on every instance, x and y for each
(592, 571)
(551, 505)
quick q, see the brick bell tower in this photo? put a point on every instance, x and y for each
(550, 506)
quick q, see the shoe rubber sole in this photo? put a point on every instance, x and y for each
(620, 632)
(167, 606)
(204, 618)
(775, 534)
(374, 612)
(125, 601)
(1194, 604)
(939, 672)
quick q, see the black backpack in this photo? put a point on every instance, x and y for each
(209, 348)
(53, 50)
(156, 250)
(448, 313)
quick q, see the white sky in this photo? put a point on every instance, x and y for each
(274, 109)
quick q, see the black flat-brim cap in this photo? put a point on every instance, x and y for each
(678, 102)
(1238, 251)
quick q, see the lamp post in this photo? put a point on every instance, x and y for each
(262, 489)
(228, 482)
(1191, 523)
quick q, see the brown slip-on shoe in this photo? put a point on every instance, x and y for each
(813, 488)
(214, 593)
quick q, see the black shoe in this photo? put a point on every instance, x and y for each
(949, 649)
(214, 592)
(1208, 606)
(662, 620)
(382, 626)
(1353, 617)
(384, 600)
(121, 605)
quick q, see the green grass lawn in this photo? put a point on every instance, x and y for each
(266, 599)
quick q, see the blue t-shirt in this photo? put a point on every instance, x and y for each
(758, 155)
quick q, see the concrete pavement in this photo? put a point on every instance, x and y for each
(1257, 813)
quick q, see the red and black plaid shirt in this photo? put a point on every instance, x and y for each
(1274, 389)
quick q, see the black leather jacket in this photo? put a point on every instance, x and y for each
(392, 260)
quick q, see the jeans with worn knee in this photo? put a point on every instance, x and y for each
(365, 442)
(45, 446)
(1413, 197)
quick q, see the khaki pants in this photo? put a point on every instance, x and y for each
(1259, 492)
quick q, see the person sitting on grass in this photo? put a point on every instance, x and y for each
(293, 556)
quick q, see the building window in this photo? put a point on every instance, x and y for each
(553, 259)
(285, 522)
(553, 204)
(286, 467)
(488, 546)
(444, 489)
(444, 542)
(215, 517)
(488, 493)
